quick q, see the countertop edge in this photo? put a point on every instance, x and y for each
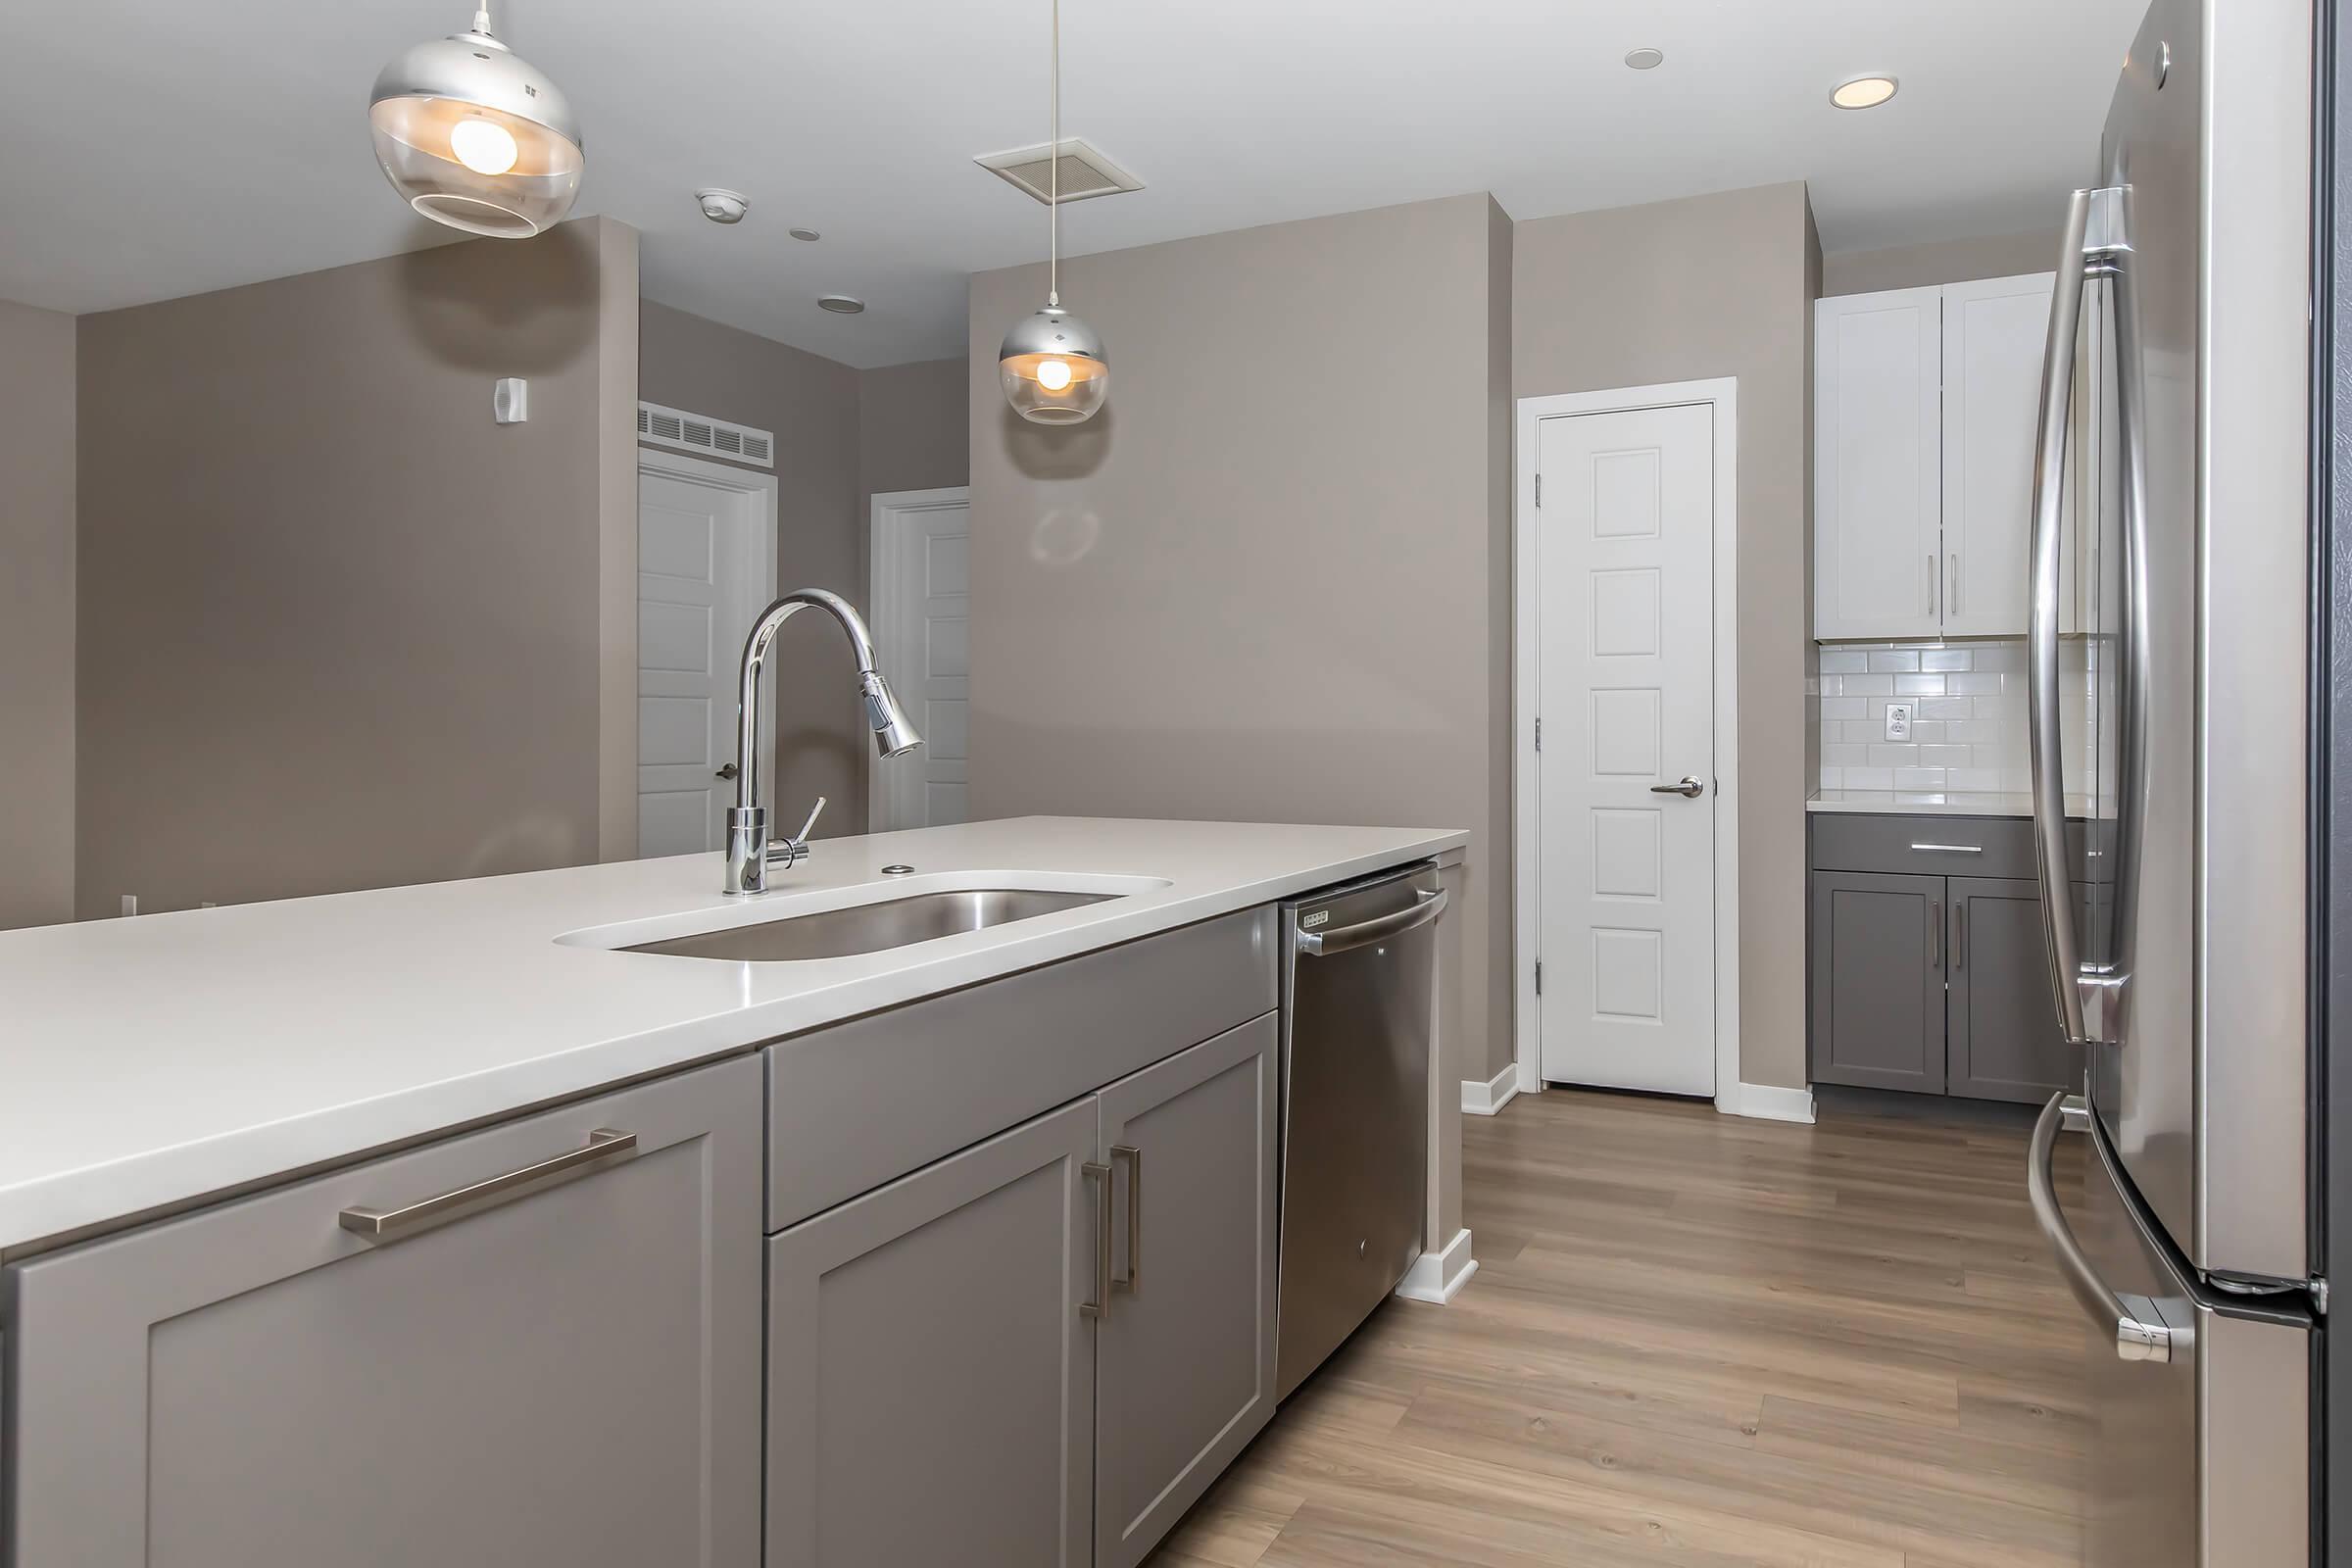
(86, 1201)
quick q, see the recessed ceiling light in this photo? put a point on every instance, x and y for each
(802, 233)
(1863, 92)
(1645, 59)
(841, 305)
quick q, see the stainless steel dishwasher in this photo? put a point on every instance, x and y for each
(1359, 979)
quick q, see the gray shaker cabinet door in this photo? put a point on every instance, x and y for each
(1185, 1358)
(931, 1374)
(1878, 980)
(569, 1376)
(2006, 1043)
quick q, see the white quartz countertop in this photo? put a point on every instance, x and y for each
(1937, 803)
(148, 1062)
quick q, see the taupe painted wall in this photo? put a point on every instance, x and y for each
(1263, 584)
(337, 628)
(1951, 261)
(913, 428)
(36, 616)
(841, 435)
(1685, 290)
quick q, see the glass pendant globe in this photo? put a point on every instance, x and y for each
(1054, 369)
(473, 137)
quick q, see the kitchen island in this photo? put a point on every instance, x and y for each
(358, 1217)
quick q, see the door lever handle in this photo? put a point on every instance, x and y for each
(1690, 788)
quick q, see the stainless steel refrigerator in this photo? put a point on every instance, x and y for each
(2179, 503)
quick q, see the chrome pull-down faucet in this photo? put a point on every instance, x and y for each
(750, 853)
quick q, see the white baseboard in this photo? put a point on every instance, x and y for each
(1767, 1103)
(1486, 1096)
(1438, 1276)
(1531, 1078)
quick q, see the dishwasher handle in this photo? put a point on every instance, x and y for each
(1322, 944)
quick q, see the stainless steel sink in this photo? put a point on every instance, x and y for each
(871, 927)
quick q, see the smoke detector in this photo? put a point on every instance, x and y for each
(723, 206)
(1086, 170)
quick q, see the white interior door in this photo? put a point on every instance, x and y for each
(705, 567)
(922, 611)
(1625, 605)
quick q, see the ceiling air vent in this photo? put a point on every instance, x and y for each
(1085, 171)
(693, 432)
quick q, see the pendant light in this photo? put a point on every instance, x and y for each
(1052, 365)
(473, 137)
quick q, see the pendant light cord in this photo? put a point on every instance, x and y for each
(1053, 178)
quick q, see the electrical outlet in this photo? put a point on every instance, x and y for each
(1899, 721)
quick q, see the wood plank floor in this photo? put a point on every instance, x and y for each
(1695, 1338)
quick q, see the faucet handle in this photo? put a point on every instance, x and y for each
(791, 852)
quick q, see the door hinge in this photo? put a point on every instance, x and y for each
(1539, 977)
(1539, 492)
(1539, 734)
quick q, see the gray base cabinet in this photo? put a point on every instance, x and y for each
(931, 1363)
(565, 1371)
(1927, 981)
(1040, 1351)
(1878, 981)
(2005, 1039)
(1184, 1365)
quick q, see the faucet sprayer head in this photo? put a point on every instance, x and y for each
(894, 734)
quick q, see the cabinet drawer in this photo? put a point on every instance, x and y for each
(1923, 845)
(840, 1120)
(563, 1371)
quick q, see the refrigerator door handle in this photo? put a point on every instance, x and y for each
(2139, 1334)
(2082, 255)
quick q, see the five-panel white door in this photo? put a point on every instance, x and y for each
(1624, 597)
(705, 568)
(922, 617)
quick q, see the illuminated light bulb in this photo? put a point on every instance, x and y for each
(483, 146)
(1054, 375)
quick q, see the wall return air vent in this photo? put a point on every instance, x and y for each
(1085, 171)
(657, 426)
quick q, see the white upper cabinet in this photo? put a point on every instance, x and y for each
(1876, 477)
(1924, 409)
(1994, 333)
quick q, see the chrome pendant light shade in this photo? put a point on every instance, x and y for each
(473, 137)
(1052, 365)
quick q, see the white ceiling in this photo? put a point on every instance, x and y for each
(153, 148)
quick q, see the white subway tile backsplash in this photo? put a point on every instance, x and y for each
(1968, 728)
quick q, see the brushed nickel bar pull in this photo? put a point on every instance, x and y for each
(392, 1224)
(1933, 576)
(1134, 1156)
(1100, 1174)
(1951, 849)
(1959, 935)
(1935, 933)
